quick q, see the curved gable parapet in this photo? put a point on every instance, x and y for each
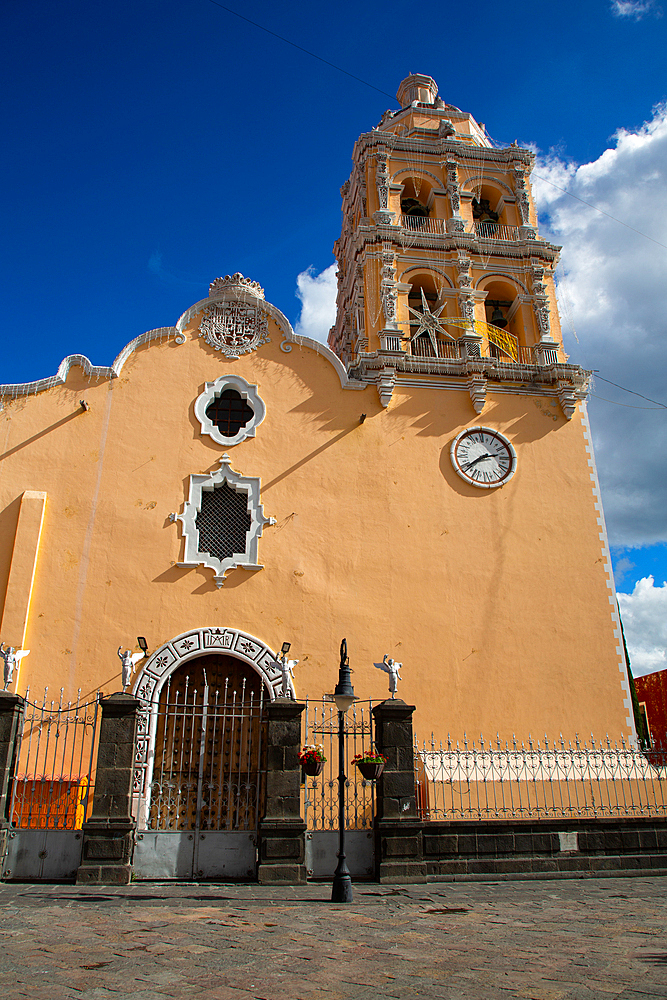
(93, 371)
(281, 321)
(162, 333)
(326, 352)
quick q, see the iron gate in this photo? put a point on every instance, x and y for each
(205, 794)
(321, 793)
(52, 791)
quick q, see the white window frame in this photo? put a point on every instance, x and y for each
(192, 506)
(246, 391)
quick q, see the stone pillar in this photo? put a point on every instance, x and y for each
(10, 714)
(108, 836)
(398, 830)
(282, 840)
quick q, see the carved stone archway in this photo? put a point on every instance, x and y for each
(163, 662)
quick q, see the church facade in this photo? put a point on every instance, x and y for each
(424, 486)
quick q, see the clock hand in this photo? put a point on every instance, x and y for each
(469, 465)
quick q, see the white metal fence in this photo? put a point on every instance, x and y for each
(538, 779)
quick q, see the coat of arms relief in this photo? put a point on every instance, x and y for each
(235, 326)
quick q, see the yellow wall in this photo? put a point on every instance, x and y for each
(496, 601)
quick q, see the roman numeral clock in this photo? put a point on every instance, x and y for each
(483, 457)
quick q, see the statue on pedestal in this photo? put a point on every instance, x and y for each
(128, 661)
(392, 668)
(12, 657)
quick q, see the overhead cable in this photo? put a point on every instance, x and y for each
(632, 392)
(302, 49)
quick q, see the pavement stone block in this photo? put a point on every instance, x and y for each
(571, 939)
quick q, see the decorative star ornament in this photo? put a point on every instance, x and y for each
(429, 322)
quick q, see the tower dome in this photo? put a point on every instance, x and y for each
(417, 87)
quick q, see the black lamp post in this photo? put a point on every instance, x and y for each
(341, 891)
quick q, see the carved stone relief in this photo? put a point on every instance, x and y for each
(234, 327)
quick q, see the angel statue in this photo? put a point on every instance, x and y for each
(12, 657)
(392, 668)
(128, 661)
(287, 670)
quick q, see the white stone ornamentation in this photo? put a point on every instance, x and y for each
(382, 179)
(249, 488)
(392, 668)
(234, 327)
(385, 385)
(477, 385)
(521, 193)
(12, 657)
(248, 392)
(453, 188)
(128, 662)
(234, 282)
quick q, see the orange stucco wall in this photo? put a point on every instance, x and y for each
(496, 601)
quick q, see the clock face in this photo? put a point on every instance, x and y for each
(483, 457)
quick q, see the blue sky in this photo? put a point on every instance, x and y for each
(152, 146)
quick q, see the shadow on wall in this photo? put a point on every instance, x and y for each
(446, 416)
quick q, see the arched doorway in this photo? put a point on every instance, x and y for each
(205, 783)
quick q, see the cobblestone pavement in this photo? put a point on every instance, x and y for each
(585, 939)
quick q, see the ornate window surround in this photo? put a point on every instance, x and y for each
(241, 484)
(246, 391)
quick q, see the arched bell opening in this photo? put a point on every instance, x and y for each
(504, 328)
(490, 213)
(426, 315)
(416, 203)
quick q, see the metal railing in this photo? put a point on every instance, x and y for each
(57, 745)
(481, 230)
(538, 779)
(321, 793)
(423, 224)
(422, 347)
(495, 231)
(208, 771)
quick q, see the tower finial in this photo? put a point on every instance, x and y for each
(417, 87)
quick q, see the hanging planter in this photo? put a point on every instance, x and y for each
(312, 760)
(370, 763)
(313, 767)
(370, 770)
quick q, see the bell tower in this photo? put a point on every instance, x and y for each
(441, 270)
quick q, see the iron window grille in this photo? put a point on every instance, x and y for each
(229, 410)
(222, 520)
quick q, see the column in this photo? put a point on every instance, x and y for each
(282, 831)
(108, 836)
(398, 829)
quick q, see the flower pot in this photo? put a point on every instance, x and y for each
(370, 770)
(313, 767)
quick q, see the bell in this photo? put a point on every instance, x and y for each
(498, 319)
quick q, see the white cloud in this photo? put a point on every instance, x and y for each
(317, 293)
(613, 295)
(644, 614)
(635, 8)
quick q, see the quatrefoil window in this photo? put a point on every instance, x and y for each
(229, 410)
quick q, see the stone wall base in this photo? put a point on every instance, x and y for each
(107, 853)
(399, 851)
(544, 848)
(282, 852)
